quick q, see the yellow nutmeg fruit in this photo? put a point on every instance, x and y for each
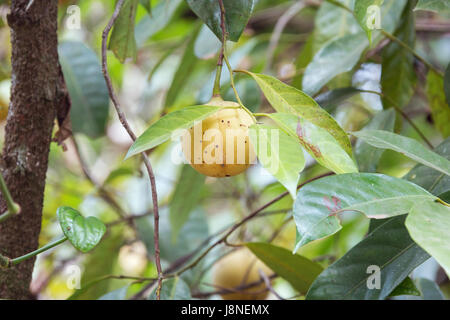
(238, 269)
(219, 146)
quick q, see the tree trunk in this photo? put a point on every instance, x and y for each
(35, 95)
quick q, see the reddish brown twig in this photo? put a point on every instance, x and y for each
(130, 132)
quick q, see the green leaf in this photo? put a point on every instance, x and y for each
(389, 247)
(287, 99)
(337, 56)
(173, 289)
(438, 6)
(185, 198)
(407, 146)
(161, 130)
(321, 145)
(366, 155)
(122, 41)
(161, 16)
(398, 77)
(375, 195)
(87, 88)
(279, 153)
(432, 180)
(184, 71)
(299, 271)
(119, 294)
(362, 14)
(83, 233)
(406, 287)
(428, 224)
(429, 289)
(237, 13)
(147, 4)
(440, 110)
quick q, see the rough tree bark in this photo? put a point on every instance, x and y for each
(35, 95)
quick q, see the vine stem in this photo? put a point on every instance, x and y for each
(6, 262)
(403, 114)
(216, 89)
(130, 132)
(12, 208)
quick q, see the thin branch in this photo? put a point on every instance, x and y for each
(269, 285)
(104, 194)
(216, 89)
(412, 51)
(130, 132)
(402, 113)
(234, 290)
(240, 223)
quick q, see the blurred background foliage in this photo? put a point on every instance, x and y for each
(173, 68)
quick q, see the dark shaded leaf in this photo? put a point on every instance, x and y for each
(122, 41)
(299, 271)
(389, 247)
(237, 13)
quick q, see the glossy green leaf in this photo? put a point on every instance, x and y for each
(364, 16)
(438, 6)
(287, 99)
(429, 289)
(440, 110)
(184, 71)
(161, 130)
(375, 195)
(185, 198)
(398, 78)
(279, 153)
(237, 13)
(389, 247)
(122, 41)
(366, 155)
(407, 146)
(299, 271)
(83, 233)
(320, 144)
(87, 88)
(162, 15)
(324, 67)
(432, 180)
(406, 287)
(428, 224)
(173, 289)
